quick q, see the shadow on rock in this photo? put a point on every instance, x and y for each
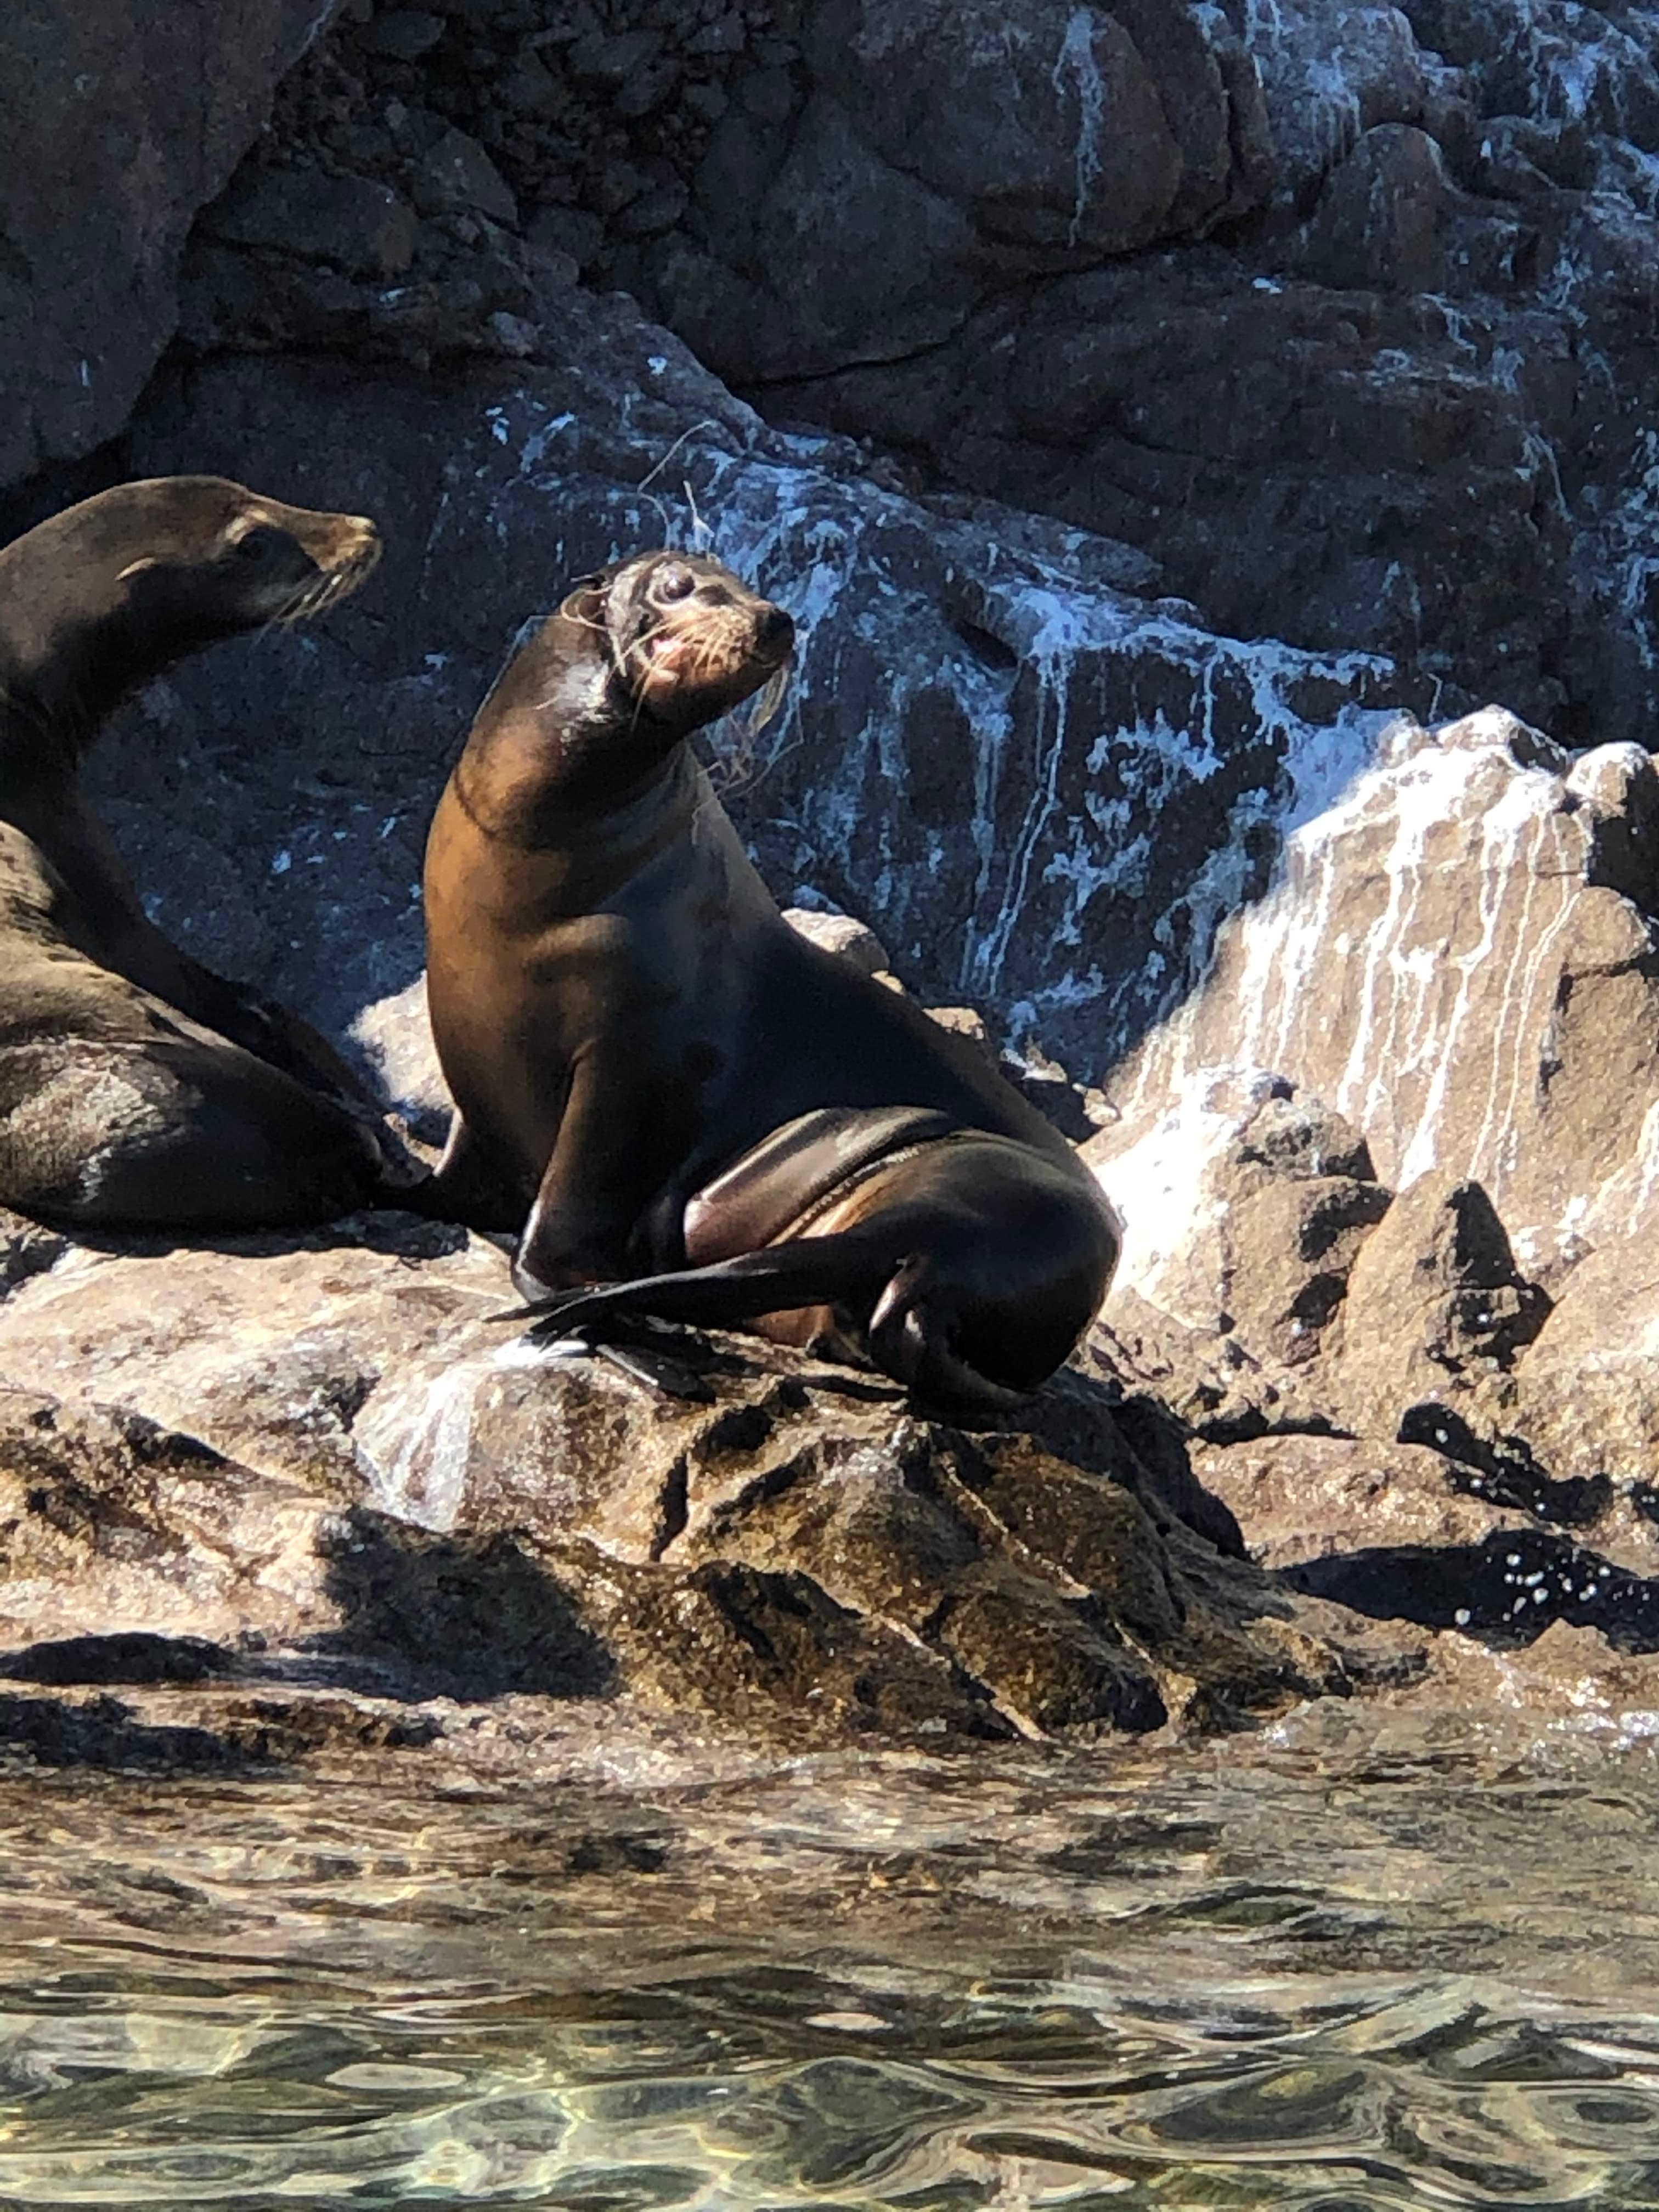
(427, 1615)
(1506, 1590)
(1505, 1476)
(103, 1732)
(401, 1231)
(130, 1656)
(1133, 1440)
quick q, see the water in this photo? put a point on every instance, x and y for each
(1368, 1961)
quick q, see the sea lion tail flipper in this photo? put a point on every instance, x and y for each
(910, 1340)
(808, 1271)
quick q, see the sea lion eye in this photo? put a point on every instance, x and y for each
(675, 584)
(258, 542)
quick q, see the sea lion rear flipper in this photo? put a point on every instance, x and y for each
(809, 1271)
(176, 1130)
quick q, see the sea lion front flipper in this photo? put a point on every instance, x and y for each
(473, 1182)
(600, 1174)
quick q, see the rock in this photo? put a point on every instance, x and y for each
(1434, 1299)
(840, 933)
(357, 224)
(1106, 748)
(960, 146)
(405, 35)
(1586, 1394)
(1265, 1203)
(531, 89)
(565, 230)
(1351, 421)
(964, 1022)
(1330, 72)
(610, 60)
(117, 127)
(394, 1036)
(1446, 961)
(1305, 1497)
(321, 1459)
(458, 175)
(1378, 219)
(1047, 1087)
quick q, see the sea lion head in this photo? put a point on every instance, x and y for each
(100, 599)
(688, 641)
(195, 558)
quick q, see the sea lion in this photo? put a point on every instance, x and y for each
(136, 1087)
(674, 1087)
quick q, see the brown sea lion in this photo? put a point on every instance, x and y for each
(137, 1088)
(678, 1089)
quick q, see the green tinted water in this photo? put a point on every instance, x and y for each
(1365, 1961)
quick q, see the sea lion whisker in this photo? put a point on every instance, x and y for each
(650, 475)
(662, 515)
(701, 536)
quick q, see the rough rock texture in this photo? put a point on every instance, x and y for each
(119, 123)
(1459, 958)
(1302, 301)
(322, 1463)
(1335, 318)
(1449, 994)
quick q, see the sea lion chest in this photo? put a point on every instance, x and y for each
(624, 947)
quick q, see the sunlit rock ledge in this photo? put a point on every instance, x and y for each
(317, 1473)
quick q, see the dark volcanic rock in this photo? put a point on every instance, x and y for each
(117, 126)
(358, 225)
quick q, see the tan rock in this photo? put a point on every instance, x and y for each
(1454, 958)
(1434, 1303)
(323, 1458)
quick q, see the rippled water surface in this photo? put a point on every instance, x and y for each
(1362, 1962)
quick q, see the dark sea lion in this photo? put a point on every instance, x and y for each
(137, 1088)
(675, 1086)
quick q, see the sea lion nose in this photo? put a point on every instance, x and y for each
(775, 632)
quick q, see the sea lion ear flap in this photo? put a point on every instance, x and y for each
(585, 600)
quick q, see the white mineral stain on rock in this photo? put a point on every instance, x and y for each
(1159, 1182)
(1407, 967)
(1076, 64)
(1074, 789)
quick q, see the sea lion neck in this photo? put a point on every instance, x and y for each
(559, 750)
(69, 654)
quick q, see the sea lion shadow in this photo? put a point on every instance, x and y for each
(472, 1617)
(393, 1230)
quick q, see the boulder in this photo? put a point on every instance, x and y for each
(1433, 1304)
(353, 222)
(1457, 958)
(1294, 298)
(1377, 224)
(963, 148)
(1435, 1407)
